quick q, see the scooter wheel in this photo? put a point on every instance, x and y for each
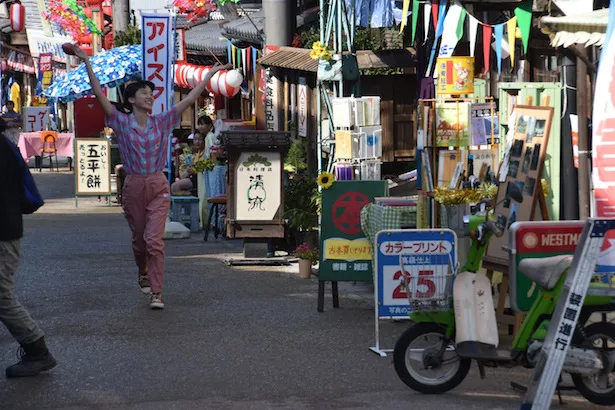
(420, 365)
(598, 389)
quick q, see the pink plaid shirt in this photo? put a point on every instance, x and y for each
(143, 151)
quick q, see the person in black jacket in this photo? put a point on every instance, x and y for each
(35, 357)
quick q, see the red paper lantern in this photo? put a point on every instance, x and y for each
(17, 14)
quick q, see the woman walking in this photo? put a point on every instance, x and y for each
(143, 141)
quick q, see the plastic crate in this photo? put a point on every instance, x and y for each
(185, 210)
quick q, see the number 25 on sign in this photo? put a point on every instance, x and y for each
(425, 287)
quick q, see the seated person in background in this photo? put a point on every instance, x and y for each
(185, 185)
(13, 122)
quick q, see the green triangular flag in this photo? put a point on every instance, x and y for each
(415, 17)
(461, 23)
(524, 21)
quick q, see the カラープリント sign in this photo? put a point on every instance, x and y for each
(537, 240)
(428, 257)
(258, 186)
(92, 170)
(345, 251)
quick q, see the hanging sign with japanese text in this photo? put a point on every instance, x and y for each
(92, 170)
(428, 257)
(258, 186)
(271, 97)
(35, 119)
(303, 110)
(158, 50)
(345, 251)
(45, 73)
(180, 45)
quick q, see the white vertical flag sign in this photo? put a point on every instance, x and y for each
(603, 143)
(426, 21)
(158, 52)
(450, 37)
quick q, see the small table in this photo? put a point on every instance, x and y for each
(30, 145)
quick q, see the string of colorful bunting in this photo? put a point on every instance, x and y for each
(449, 23)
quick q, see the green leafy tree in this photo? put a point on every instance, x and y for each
(130, 36)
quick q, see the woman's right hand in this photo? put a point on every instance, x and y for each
(79, 52)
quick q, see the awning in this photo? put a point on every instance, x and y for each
(299, 59)
(18, 61)
(587, 28)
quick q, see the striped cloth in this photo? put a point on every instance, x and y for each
(143, 151)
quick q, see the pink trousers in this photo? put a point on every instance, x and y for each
(146, 200)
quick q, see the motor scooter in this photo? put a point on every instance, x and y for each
(434, 355)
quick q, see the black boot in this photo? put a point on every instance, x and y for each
(34, 358)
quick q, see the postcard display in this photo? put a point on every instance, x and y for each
(358, 138)
(522, 165)
(451, 132)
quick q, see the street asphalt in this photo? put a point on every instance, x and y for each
(229, 338)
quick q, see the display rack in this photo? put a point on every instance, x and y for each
(437, 137)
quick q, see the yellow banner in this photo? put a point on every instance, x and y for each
(347, 250)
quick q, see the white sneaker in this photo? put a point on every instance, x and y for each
(155, 301)
(145, 285)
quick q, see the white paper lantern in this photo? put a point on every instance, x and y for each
(234, 78)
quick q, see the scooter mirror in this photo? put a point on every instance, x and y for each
(514, 193)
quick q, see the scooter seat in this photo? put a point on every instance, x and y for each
(545, 271)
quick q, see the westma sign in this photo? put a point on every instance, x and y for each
(537, 240)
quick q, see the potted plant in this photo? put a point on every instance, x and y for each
(307, 257)
(301, 198)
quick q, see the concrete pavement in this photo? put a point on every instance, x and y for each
(229, 338)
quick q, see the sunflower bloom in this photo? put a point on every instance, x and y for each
(314, 54)
(325, 180)
(316, 45)
(326, 56)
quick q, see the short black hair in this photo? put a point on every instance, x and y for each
(11, 103)
(132, 88)
(205, 120)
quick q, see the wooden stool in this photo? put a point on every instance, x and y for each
(215, 202)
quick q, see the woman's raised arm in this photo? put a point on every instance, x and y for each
(98, 92)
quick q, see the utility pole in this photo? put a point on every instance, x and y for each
(582, 113)
(121, 14)
(280, 22)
